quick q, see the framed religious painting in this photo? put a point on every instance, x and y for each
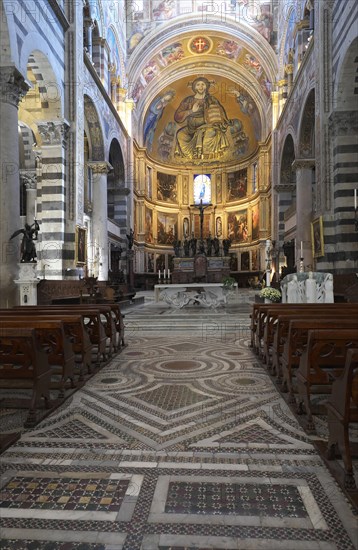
(80, 245)
(317, 238)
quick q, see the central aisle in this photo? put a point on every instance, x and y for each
(182, 441)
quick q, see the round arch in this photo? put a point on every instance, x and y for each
(346, 87)
(306, 145)
(93, 130)
(37, 57)
(287, 174)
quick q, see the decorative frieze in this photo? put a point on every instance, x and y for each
(13, 86)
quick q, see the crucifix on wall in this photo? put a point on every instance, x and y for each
(201, 208)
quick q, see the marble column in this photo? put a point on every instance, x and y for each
(89, 26)
(28, 179)
(100, 170)
(13, 88)
(303, 169)
(52, 204)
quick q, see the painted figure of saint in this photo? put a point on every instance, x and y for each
(204, 135)
(155, 112)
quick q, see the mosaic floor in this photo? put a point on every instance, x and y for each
(181, 441)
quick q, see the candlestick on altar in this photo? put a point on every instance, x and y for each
(301, 265)
(159, 274)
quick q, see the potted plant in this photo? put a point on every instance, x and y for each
(271, 294)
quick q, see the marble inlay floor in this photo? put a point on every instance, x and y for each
(181, 441)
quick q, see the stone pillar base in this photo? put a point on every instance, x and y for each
(27, 283)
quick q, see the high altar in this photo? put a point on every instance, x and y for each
(201, 268)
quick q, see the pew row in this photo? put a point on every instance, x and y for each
(295, 343)
(260, 312)
(92, 319)
(24, 365)
(321, 363)
(75, 331)
(342, 407)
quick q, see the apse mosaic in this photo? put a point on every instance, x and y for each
(205, 118)
(237, 226)
(237, 185)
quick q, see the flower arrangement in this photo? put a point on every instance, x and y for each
(271, 294)
(228, 282)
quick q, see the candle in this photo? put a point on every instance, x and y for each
(159, 274)
(355, 199)
(301, 249)
(168, 273)
(164, 273)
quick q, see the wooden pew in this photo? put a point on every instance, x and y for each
(321, 363)
(75, 331)
(108, 319)
(260, 312)
(342, 407)
(296, 342)
(52, 338)
(92, 321)
(275, 331)
(24, 365)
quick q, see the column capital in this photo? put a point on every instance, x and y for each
(100, 167)
(12, 86)
(28, 178)
(53, 132)
(130, 104)
(299, 164)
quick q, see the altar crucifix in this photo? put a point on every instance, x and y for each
(201, 208)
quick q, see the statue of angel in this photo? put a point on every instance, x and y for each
(28, 249)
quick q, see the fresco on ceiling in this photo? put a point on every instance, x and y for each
(167, 187)
(138, 31)
(172, 53)
(237, 226)
(167, 228)
(263, 23)
(143, 19)
(237, 185)
(163, 10)
(201, 119)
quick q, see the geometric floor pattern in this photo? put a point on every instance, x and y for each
(181, 441)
